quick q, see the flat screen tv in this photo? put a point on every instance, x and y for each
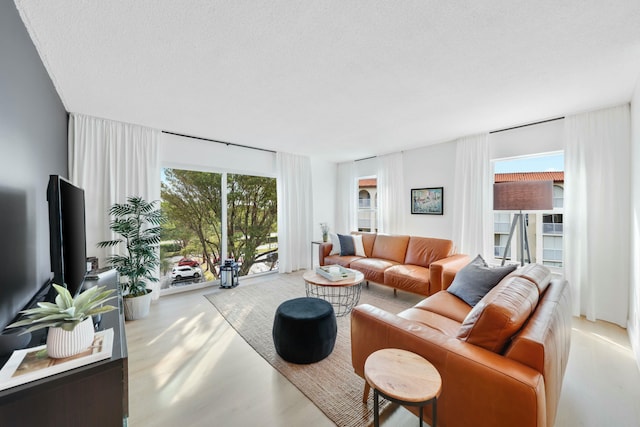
(67, 233)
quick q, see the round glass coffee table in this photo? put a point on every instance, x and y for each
(343, 294)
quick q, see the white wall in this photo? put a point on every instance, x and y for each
(430, 166)
(323, 176)
(367, 167)
(528, 140)
(196, 154)
(634, 289)
(433, 166)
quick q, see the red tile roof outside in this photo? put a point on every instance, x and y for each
(368, 182)
(529, 176)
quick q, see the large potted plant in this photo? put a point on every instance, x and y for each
(69, 319)
(137, 222)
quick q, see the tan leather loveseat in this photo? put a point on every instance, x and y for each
(409, 263)
(502, 362)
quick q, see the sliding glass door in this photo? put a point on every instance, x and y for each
(213, 217)
(252, 223)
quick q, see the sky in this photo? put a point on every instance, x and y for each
(549, 163)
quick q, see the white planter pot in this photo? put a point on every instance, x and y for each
(61, 343)
(137, 307)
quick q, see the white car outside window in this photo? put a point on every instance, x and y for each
(186, 272)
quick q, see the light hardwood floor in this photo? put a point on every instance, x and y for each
(188, 367)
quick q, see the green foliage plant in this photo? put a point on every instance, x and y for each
(66, 312)
(137, 222)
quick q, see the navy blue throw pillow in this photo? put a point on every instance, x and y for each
(346, 245)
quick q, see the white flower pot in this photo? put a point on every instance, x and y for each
(61, 343)
(137, 307)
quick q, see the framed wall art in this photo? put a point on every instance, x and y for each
(427, 201)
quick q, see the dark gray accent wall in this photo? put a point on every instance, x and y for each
(33, 145)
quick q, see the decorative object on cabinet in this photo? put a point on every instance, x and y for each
(62, 398)
(69, 319)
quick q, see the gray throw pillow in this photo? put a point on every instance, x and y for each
(476, 279)
(346, 245)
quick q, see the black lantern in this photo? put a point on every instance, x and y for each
(229, 274)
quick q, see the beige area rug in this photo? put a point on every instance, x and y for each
(331, 383)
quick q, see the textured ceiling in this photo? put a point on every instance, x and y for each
(336, 79)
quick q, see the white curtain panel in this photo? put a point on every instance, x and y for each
(295, 212)
(346, 198)
(473, 197)
(112, 161)
(597, 213)
(392, 200)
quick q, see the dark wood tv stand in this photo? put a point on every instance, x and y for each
(91, 395)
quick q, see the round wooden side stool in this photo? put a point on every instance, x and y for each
(402, 377)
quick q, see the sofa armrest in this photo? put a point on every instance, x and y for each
(479, 387)
(324, 251)
(442, 272)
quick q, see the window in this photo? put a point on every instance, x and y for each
(558, 196)
(552, 230)
(364, 199)
(195, 204)
(552, 224)
(502, 225)
(367, 204)
(544, 229)
(552, 251)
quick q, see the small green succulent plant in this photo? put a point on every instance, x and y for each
(67, 312)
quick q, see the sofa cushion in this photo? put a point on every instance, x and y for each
(537, 273)
(500, 314)
(447, 305)
(372, 268)
(368, 239)
(543, 330)
(544, 342)
(443, 324)
(335, 241)
(424, 250)
(358, 245)
(344, 261)
(393, 248)
(411, 278)
(346, 245)
(475, 279)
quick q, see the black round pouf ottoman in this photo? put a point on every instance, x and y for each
(304, 330)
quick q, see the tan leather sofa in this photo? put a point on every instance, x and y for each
(502, 362)
(410, 263)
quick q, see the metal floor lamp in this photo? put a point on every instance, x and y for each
(521, 196)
